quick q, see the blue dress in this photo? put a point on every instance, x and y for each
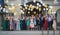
(21, 24)
(28, 22)
(34, 22)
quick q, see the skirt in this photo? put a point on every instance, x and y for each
(31, 25)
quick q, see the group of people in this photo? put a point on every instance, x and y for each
(33, 22)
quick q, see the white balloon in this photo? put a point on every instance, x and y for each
(44, 9)
(14, 13)
(12, 4)
(30, 4)
(7, 11)
(22, 12)
(4, 9)
(24, 4)
(50, 6)
(29, 9)
(37, 3)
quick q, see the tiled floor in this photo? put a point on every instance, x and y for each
(29, 33)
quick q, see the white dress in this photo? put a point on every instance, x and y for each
(54, 24)
(18, 25)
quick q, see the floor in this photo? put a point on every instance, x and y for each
(29, 33)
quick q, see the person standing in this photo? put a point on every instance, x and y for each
(45, 23)
(37, 23)
(18, 24)
(24, 27)
(4, 25)
(21, 22)
(54, 23)
(31, 22)
(11, 22)
(50, 22)
(28, 22)
(7, 24)
(41, 22)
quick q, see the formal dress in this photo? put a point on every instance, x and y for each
(18, 25)
(11, 23)
(24, 27)
(45, 24)
(31, 23)
(21, 24)
(4, 25)
(34, 22)
(28, 22)
(54, 24)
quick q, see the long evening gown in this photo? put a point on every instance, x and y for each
(11, 23)
(31, 23)
(4, 25)
(24, 27)
(45, 24)
(54, 24)
(28, 22)
(18, 25)
(21, 24)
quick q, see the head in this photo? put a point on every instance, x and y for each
(6, 18)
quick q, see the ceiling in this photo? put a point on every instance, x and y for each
(47, 0)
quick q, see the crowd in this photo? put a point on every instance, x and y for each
(33, 22)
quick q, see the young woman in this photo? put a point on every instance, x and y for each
(18, 24)
(45, 23)
(24, 27)
(54, 23)
(31, 22)
(6, 25)
(50, 22)
(41, 22)
(21, 22)
(28, 22)
(11, 22)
